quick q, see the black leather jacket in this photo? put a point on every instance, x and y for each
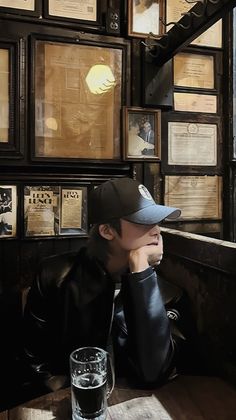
(71, 304)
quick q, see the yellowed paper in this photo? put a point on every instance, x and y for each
(192, 144)
(71, 208)
(19, 4)
(139, 408)
(4, 95)
(194, 102)
(174, 8)
(212, 37)
(39, 213)
(74, 9)
(194, 70)
(70, 120)
(198, 197)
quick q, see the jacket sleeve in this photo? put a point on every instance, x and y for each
(146, 335)
(37, 337)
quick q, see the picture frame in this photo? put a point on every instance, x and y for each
(198, 196)
(141, 134)
(21, 7)
(11, 143)
(191, 143)
(148, 18)
(78, 11)
(8, 211)
(75, 122)
(55, 210)
(194, 70)
(196, 102)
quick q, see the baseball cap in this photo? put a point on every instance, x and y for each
(128, 199)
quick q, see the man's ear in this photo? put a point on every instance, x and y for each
(106, 231)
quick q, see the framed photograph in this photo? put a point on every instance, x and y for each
(22, 7)
(191, 144)
(10, 106)
(193, 70)
(8, 211)
(198, 197)
(144, 18)
(54, 210)
(83, 11)
(141, 134)
(76, 99)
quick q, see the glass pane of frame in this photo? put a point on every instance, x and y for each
(54, 210)
(77, 100)
(22, 7)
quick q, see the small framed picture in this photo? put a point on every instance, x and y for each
(8, 211)
(80, 11)
(54, 210)
(21, 7)
(145, 18)
(141, 134)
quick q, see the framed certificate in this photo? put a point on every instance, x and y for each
(144, 18)
(141, 134)
(10, 105)
(76, 101)
(195, 102)
(191, 144)
(22, 7)
(198, 197)
(8, 211)
(83, 11)
(54, 210)
(193, 70)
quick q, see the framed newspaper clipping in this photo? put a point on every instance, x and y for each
(80, 11)
(8, 211)
(10, 104)
(55, 210)
(77, 91)
(141, 134)
(22, 7)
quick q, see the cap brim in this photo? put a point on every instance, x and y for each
(153, 214)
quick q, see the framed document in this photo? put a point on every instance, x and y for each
(74, 10)
(191, 144)
(77, 100)
(54, 210)
(23, 7)
(144, 18)
(141, 134)
(195, 102)
(8, 211)
(9, 100)
(198, 197)
(212, 37)
(194, 70)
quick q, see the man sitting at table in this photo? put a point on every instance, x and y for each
(71, 303)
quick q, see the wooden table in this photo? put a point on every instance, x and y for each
(185, 398)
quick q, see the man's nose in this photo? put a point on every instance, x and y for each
(155, 230)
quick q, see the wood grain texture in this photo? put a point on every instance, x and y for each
(185, 398)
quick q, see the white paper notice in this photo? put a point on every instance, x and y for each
(139, 409)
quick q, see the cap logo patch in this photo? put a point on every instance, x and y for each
(144, 192)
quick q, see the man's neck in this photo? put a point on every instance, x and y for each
(118, 263)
